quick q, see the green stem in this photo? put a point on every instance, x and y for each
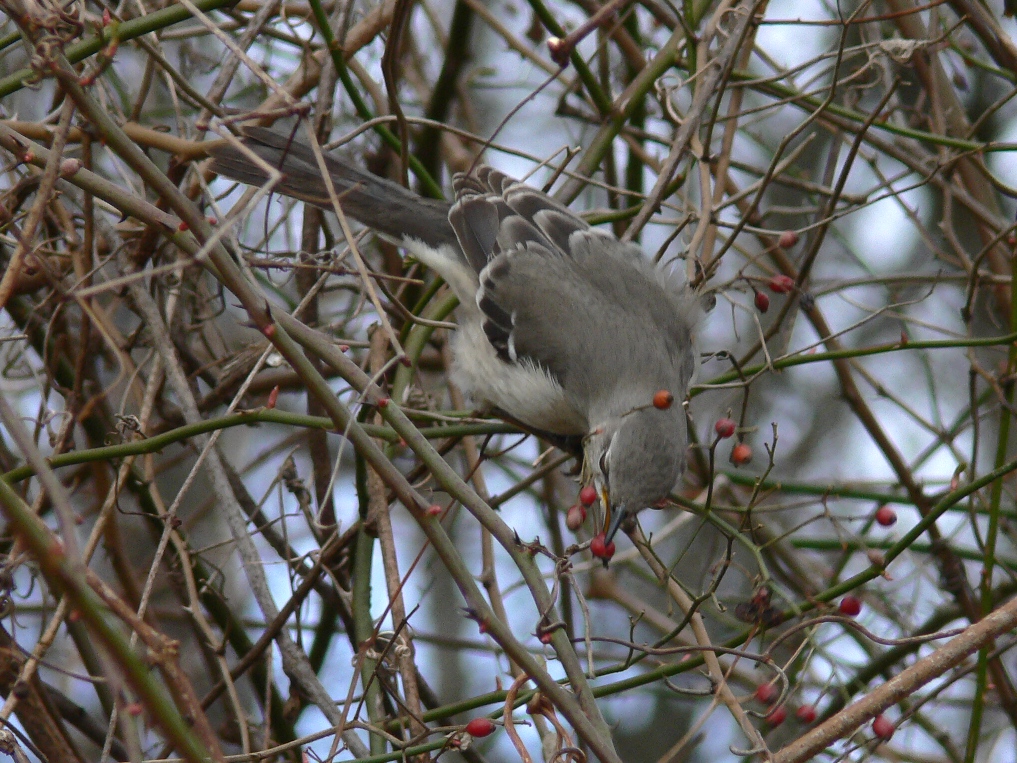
(597, 95)
(428, 185)
(860, 352)
(159, 442)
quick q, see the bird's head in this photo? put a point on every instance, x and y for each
(635, 460)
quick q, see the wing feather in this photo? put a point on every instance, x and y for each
(571, 299)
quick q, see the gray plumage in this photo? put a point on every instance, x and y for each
(562, 327)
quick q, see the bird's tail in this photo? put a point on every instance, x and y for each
(383, 205)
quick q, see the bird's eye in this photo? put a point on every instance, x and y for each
(603, 463)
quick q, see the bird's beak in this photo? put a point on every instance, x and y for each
(605, 501)
(614, 521)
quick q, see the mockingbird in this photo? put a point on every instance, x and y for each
(562, 327)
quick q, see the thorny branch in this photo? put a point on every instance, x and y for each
(223, 420)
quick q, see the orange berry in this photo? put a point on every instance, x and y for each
(886, 516)
(741, 454)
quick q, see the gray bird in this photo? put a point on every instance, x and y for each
(562, 327)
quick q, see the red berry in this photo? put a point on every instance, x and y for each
(724, 428)
(741, 454)
(882, 727)
(762, 301)
(781, 284)
(480, 727)
(806, 714)
(663, 399)
(787, 239)
(575, 517)
(767, 693)
(776, 716)
(886, 516)
(850, 605)
(588, 495)
(600, 549)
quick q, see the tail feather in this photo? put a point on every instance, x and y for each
(383, 205)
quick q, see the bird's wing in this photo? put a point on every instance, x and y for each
(494, 213)
(570, 298)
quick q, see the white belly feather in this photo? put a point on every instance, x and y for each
(523, 390)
